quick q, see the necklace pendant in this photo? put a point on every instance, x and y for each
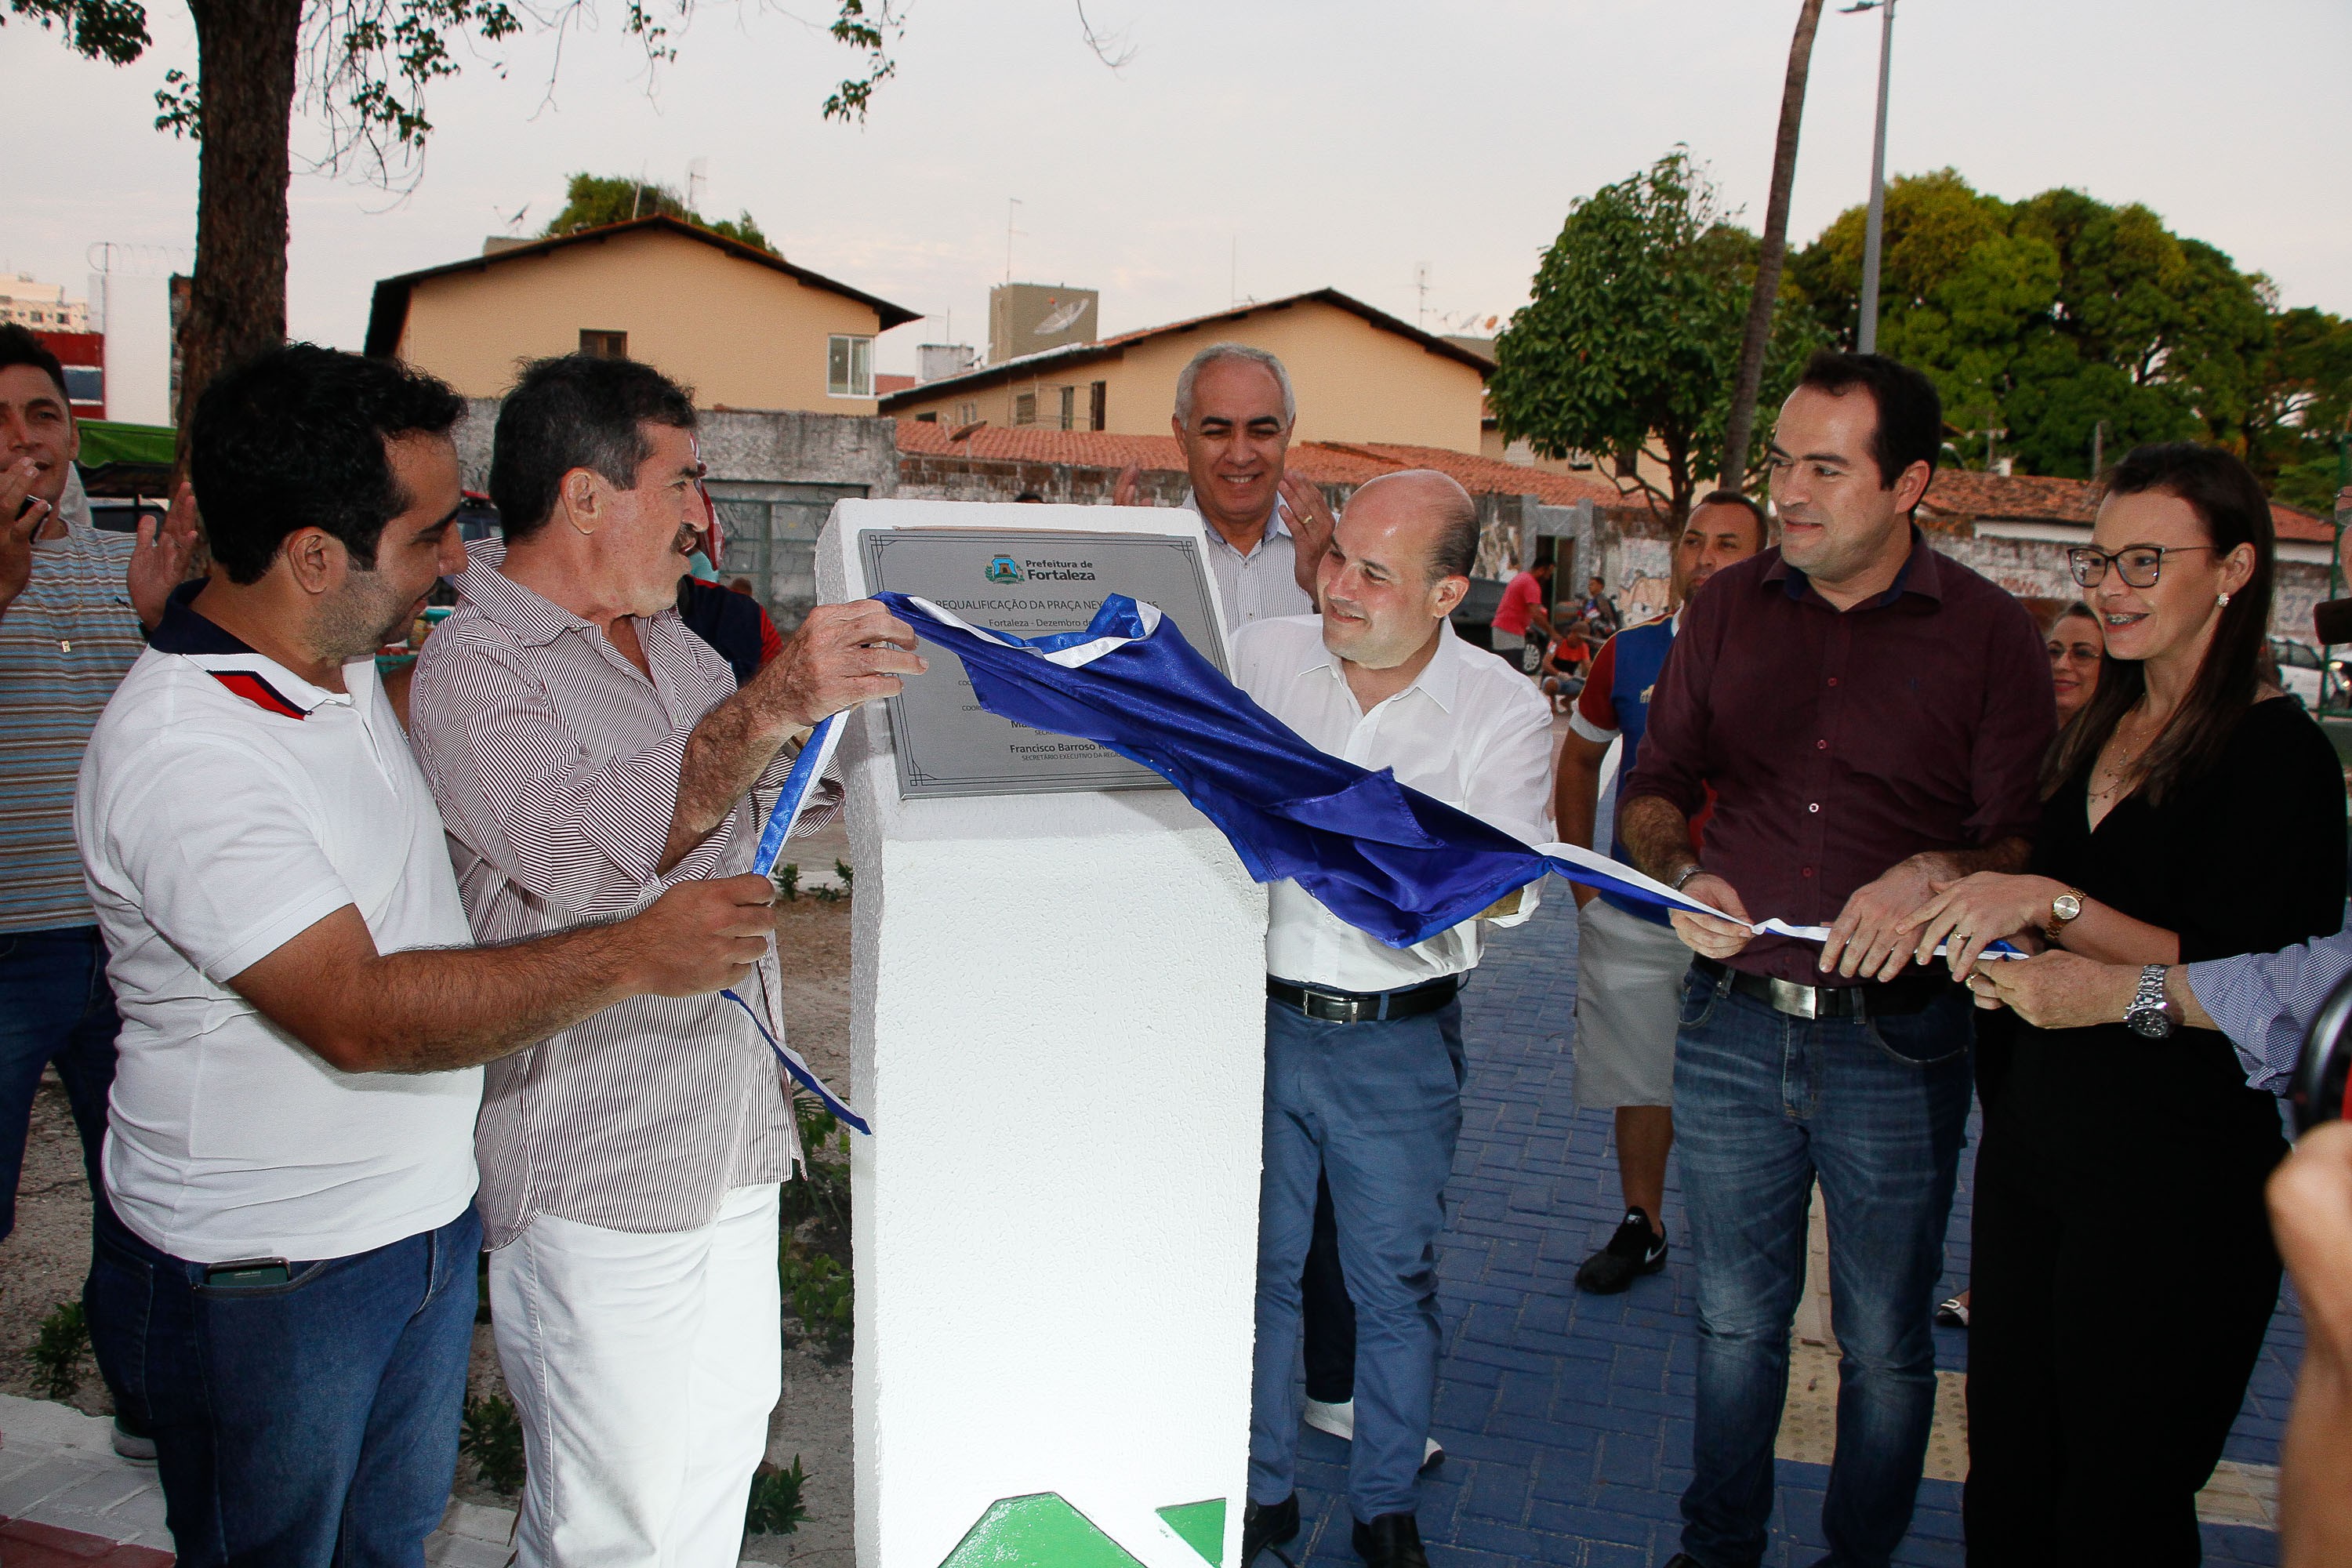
(65, 645)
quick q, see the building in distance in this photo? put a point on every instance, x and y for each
(743, 326)
(1361, 374)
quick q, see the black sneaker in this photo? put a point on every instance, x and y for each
(1636, 1250)
(1265, 1524)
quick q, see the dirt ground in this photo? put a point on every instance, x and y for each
(43, 1262)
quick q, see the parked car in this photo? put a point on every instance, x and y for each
(2306, 677)
(1473, 618)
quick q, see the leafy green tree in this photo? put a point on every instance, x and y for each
(1631, 339)
(362, 68)
(2064, 324)
(592, 201)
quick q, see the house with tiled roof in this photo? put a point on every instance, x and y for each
(2016, 529)
(743, 327)
(1361, 374)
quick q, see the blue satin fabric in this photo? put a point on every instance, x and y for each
(1384, 858)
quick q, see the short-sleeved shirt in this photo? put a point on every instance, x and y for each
(1615, 703)
(1522, 597)
(225, 807)
(1841, 744)
(65, 643)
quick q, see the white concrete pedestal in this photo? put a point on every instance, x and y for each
(1058, 1034)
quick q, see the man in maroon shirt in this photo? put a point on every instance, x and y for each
(1871, 717)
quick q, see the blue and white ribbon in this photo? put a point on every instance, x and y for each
(800, 787)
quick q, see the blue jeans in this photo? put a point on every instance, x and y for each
(55, 1006)
(301, 1425)
(1376, 1108)
(1877, 1110)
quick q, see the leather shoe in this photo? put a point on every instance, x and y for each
(1391, 1541)
(1265, 1524)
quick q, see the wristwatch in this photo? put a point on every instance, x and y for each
(1687, 873)
(2149, 1015)
(2062, 908)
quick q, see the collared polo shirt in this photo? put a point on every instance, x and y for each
(1839, 743)
(65, 643)
(226, 805)
(1470, 730)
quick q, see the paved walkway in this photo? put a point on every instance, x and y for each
(1566, 1417)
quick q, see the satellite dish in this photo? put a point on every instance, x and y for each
(1060, 320)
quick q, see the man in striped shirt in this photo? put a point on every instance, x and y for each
(587, 750)
(72, 603)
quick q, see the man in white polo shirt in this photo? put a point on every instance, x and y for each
(290, 1289)
(1363, 1052)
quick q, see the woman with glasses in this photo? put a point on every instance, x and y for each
(2123, 1270)
(2077, 648)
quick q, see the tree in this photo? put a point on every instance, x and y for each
(1740, 424)
(592, 201)
(1631, 339)
(363, 69)
(2057, 323)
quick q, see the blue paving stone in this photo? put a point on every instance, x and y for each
(1566, 1417)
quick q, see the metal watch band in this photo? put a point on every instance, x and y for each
(1687, 874)
(2148, 1014)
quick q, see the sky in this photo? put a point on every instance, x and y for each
(1244, 148)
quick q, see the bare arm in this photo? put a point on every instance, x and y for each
(1973, 910)
(1657, 836)
(1576, 797)
(842, 655)
(2311, 1214)
(2066, 991)
(431, 1010)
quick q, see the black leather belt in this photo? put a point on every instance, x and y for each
(1362, 1007)
(1912, 993)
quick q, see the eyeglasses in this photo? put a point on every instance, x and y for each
(2140, 564)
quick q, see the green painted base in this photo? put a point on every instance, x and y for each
(1203, 1526)
(1039, 1531)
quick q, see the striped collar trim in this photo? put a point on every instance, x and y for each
(260, 680)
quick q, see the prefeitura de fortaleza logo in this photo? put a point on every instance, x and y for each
(1004, 569)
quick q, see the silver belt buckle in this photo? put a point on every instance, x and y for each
(1795, 1000)
(1341, 1009)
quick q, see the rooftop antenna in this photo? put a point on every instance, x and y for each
(1421, 288)
(1233, 273)
(1011, 202)
(698, 174)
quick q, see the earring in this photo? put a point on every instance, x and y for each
(2225, 601)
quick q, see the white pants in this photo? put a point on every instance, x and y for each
(645, 1368)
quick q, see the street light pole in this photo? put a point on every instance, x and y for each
(1866, 335)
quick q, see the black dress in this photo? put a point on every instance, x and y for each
(2123, 1270)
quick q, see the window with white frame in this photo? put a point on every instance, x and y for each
(849, 366)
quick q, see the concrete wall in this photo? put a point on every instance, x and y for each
(775, 448)
(738, 333)
(1355, 382)
(1057, 1028)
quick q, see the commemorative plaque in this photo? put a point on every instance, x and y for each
(1028, 585)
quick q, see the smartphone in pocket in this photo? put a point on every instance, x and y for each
(247, 1274)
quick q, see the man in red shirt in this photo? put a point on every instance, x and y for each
(1524, 605)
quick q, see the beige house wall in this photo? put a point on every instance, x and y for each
(739, 333)
(1355, 382)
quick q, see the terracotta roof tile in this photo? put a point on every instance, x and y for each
(2023, 498)
(1323, 462)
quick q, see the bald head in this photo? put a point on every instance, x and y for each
(1430, 507)
(1399, 563)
